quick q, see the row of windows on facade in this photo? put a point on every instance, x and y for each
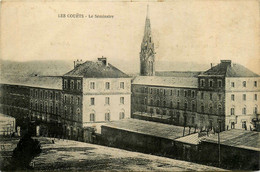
(244, 110)
(211, 83)
(72, 84)
(71, 99)
(187, 93)
(45, 94)
(107, 116)
(70, 111)
(107, 85)
(193, 107)
(244, 83)
(171, 113)
(107, 100)
(243, 97)
(44, 108)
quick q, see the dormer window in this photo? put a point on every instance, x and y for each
(210, 83)
(219, 83)
(202, 82)
(107, 85)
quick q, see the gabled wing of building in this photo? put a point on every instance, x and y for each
(92, 69)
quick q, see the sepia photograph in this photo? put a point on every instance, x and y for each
(129, 85)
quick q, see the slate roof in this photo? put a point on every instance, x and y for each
(230, 70)
(96, 69)
(178, 73)
(237, 138)
(148, 128)
(186, 82)
(51, 82)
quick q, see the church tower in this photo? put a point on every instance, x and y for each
(147, 50)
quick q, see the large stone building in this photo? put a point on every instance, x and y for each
(224, 96)
(97, 90)
(93, 92)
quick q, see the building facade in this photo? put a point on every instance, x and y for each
(223, 97)
(97, 92)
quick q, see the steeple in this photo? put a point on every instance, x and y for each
(147, 50)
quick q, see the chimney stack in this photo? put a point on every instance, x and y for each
(77, 63)
(103, 60)
(227, 62)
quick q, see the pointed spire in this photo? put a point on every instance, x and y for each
(147, 13)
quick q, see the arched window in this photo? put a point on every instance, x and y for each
(185, 105)
(219, 109)
(210, 109)
(107, 116)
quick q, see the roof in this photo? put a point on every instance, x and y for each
(178, 73)
(230, 70)
(237, 138)
(187, 82)
(96, 69)
(190, 139)
(51, 82)
(148, 128)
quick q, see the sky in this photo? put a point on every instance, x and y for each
(201, 31)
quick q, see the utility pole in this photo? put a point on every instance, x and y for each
(219, 161)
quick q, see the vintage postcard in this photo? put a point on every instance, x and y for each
(129, 85)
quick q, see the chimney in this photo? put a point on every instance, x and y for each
(211, 65)
(227, 62)
(103, 60)
(77, 63)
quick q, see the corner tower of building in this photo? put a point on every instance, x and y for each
(147, 54)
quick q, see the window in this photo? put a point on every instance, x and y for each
(92, 101)
(244, 97)
(202, 108)
(244, 111)
(210, 96)
(65, 99)
(57, 96)
(171, 92)
(202, 82)
(107, 100)
(193, 106)
(202, 95)
(210, 109)
(244, 83)
(255, 96)
(107, 85)
(92, 117)
(151, 102)
(178, 105)
(121, 115)
(232, 97)
(219, 97)
(193, 94)
(185, 105)
(193, 120)
(151, 91)
(219, 83)
(185, 93)
(171, 104)
(255, 110)
(219, 109)
(255, 83)
(122, 85)
(46, 95)
(72, 85)
(92, 85)
(158, 103)
(107, 116)
(157, 91)
(36, 93)
(232, 111)
(244, 124)
(232, 84)
(211, 83)
(158, 111)
(51, 95)
(72, 100)
(178, 93)
(65, 84)
(78, 85)
(151, 110)
(78, 101)
(122, 100)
